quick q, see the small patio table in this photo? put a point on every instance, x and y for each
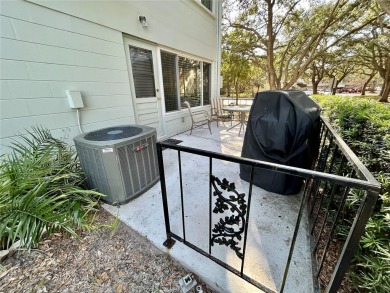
(239, 109)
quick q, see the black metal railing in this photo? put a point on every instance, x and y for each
(338, 212)
(338, 196)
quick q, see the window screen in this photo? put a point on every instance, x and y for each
(189, 81)
(206, 83)
(143, 76)
(168, 64)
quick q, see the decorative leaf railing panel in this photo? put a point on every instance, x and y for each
(228, 231)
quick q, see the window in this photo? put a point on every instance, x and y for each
(184, 79)
(168, 64)
(207, 4)
(143, 75)
(206, 83)
(189, 80)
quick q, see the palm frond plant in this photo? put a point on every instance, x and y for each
(41, 190)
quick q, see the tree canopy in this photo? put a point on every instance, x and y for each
(235, 69)
(286, 38)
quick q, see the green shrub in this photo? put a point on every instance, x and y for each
(41, 190)
(365, 126)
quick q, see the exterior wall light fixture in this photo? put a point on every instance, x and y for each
(142, 20)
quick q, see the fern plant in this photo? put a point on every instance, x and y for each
(41, 190)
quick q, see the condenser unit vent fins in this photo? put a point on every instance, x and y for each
(122, 168)
(91, 161)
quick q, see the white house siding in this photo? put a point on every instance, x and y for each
(44, 53)
(48, 47)
(181, 24)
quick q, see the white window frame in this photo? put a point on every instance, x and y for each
(185, 55)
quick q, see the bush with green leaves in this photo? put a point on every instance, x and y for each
(365, 126)
(41, 190)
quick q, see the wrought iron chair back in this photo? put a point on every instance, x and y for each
(217, 112)
(198, 118)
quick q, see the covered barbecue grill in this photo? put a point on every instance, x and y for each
(283, 127)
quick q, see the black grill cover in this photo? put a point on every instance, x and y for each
(283, 127)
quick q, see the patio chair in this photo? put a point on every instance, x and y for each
(198, 118)
(217, 112)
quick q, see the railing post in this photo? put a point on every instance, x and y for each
(351, 244)
(181, 197)
(247, 219)
(169, 242)
(210, 201)
(292, 246)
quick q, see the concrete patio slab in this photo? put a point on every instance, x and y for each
(270, 229)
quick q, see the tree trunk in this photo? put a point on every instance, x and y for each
(385, 74)
(270, 48)
(386, 83)
(237, 92)
(335, 87)
(338, 81)
(228, 90)
(366, 83)
(385, 94)
(315, 87)
(382, 90)
(279, 85)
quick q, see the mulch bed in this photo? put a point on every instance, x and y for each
(103, 260)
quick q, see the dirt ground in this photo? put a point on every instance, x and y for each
(104, 260)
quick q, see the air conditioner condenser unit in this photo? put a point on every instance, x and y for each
(120, 161)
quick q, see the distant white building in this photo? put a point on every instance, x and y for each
(134, 62)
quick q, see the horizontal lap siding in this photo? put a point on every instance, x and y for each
(184, 25)
(44, 53)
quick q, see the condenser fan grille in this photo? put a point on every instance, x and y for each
(113, 133)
